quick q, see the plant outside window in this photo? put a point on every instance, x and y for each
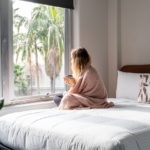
(38, 43)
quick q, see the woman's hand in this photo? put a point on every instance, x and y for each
(70, 80)
(64, 93)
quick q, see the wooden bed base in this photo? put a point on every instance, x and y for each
(136, 68)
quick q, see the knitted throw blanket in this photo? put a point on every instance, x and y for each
(89, 91)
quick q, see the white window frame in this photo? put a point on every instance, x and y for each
(6, 49)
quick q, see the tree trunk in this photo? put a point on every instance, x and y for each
(53, 78)
(20, 89)
(30, 74)
(52, 84)
(54, 74)
(37, 66)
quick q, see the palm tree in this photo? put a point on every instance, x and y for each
(18, 20)
(20, 79)
(22, 45)
(34, 33)
(45, 35)
(50, 20)
(28, 43)
(52, 67)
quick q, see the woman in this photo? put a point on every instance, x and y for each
(87, 87)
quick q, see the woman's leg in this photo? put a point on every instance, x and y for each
(57, 98)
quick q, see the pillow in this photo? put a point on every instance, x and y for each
(144, 89)
(127, 85)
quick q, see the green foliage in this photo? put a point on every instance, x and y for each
(20, 80)
(1, 103)
(45, 31)
(18, 20)
(48, 22)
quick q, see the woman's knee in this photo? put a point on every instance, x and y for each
(57, 99)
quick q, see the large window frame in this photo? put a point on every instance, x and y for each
(6, 57)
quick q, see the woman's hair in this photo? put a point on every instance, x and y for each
(80, 58)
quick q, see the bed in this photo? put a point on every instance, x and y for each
(123, 127)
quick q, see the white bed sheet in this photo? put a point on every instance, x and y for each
(123, 127)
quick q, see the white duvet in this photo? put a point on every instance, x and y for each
(123, 127)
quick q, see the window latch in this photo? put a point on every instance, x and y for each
(47, 96)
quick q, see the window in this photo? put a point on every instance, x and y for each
(38, 38)
(37, 50)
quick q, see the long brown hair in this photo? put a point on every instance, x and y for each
(80, 59)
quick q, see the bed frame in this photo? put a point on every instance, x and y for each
(136, 68)
(2, 147)
(128, 68)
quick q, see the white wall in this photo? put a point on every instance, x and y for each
(129, 24)
(135, 32)
(112, 46)
(90, 30)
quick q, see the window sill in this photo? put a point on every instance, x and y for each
(26, 107)
(31, 99)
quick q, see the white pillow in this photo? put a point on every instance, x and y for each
(128, 85)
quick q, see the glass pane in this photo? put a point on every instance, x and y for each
(38, 42)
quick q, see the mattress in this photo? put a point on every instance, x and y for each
(123, 127)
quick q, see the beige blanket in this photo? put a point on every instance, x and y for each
(89, 91)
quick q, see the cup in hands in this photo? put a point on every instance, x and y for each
(70, 80)
(69, 76)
